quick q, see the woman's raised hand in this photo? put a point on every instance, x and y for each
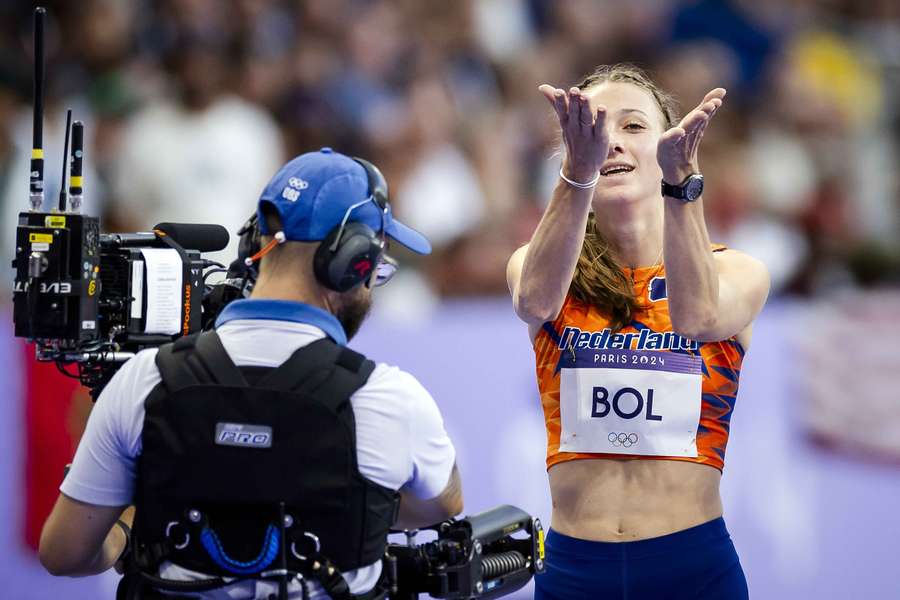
(583, 131)
(676, 151)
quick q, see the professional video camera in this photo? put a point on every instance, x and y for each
(96, 299)
(475, 557)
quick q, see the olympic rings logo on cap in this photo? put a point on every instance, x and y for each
(297, 183)
(625, 440)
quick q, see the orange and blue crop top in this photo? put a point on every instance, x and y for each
(581, 336)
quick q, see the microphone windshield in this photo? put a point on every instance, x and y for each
(195, 236)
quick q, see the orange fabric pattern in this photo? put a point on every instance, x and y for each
(651, 329)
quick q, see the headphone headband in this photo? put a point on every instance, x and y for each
(378, 187)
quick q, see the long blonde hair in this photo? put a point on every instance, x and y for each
(599, 279)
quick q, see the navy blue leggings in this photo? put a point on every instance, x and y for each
(699, 563)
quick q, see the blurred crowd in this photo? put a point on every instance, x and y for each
(191, 105)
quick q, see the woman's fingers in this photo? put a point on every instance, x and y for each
(712, 101)
(696, 137)
(692, 120)
(701, 114)
(574, 107)
(695, 133)
(600, 122)
(557, 99)
(678, 147)
(586, 118)
(714, 94)
(711, 107)
(672, 136)
(562, 107)
(695, 125)
(548, 91)
(700, 122)
(583, 128)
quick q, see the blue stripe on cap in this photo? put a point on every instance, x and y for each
(284, 310)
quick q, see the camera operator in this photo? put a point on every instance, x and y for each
(313, 467)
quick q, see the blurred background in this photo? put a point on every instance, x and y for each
(191, 105)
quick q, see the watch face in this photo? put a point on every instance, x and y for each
(693, 187)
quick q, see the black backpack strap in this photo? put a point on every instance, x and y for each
(175, 374)
(304, 367)
(310, 366)
(351, 372)
(210, 351)
(197, 359)
(324, 368)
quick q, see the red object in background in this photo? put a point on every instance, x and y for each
(50, 441)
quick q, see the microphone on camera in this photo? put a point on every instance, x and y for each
(202, 237)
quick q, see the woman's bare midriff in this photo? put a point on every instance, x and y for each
(623, 500)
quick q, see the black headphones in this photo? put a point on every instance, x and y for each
(351, 250)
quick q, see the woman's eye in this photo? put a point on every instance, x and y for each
(634, 126)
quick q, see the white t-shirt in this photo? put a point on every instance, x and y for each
(400, 438)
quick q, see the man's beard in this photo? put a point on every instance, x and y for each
(353, 312)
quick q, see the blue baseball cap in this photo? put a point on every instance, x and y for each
(312, 193)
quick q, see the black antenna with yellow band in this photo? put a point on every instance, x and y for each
(76, 189)
(62, 183)
(36, 186)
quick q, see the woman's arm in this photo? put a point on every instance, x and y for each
(539, 273)
(712, 296)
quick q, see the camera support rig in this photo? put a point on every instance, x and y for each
(474, 557)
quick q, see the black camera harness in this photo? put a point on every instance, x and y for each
(226, 463)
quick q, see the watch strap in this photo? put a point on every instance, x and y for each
(673, 191)
(680, 192)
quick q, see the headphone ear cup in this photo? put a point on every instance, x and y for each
(352, 262)
(322, 259)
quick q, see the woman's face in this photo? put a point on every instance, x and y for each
(635, 123)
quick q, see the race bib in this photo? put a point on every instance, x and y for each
(630, 402)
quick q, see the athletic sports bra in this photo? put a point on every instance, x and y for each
(643, 392)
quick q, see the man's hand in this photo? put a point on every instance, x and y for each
(583, 131)
(677, 149)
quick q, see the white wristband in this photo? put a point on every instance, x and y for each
(581, 186)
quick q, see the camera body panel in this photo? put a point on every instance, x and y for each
(56, 297)
(83, 297)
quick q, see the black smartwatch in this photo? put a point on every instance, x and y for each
(688, 191)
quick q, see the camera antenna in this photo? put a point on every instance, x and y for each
(62, 183)
(36, 196)
(75, 177)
